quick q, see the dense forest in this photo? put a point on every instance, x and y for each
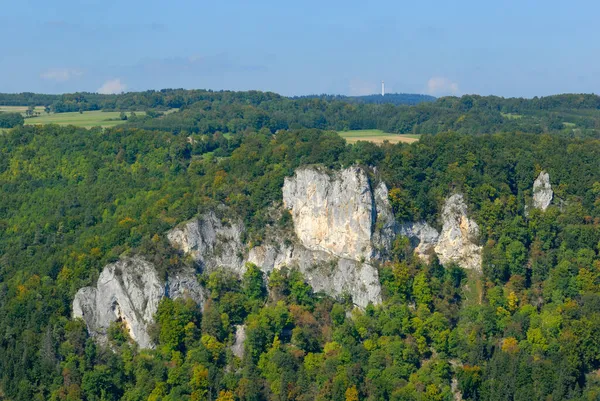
(526, 328)
(171, 98)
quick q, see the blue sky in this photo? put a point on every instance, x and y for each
(507, 48)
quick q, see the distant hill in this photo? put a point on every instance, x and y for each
(389, 98)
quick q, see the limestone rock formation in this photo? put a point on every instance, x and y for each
(542, 191)
(212, 242)
(130, 290)
(343, 226)
(458, 241)
(423, 237)
(324, 272)
(332, 211)
(386, 226)
(184, 284)
(240, 338)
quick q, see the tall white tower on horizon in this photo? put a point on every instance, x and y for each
(382, 88)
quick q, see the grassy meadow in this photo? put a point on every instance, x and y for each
(20, 109)
(86, 119)
(376, 136)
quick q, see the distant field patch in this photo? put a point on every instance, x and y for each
(87, 119)
(20, 109)
(376, 136)
(511, 116)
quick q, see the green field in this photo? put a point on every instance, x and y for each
(376, 136)
(86, 119)
(511, 116)
(20, 109)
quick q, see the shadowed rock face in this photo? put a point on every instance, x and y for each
(542, 191)
(130, 290)
(423, 237)
(211, 242)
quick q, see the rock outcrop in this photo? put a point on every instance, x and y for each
(458, 241)
(542, 191)
(212, 242)
(343, 226)
(386, 226)
(423, 237)
(340, 227)
(129, 291)
(332, 211)
(240, 338)
(324, 272)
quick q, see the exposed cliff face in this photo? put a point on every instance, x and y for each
(542, 191)
(211, 242)
(342, 225)
(332, 212)
(386, 226)
(240, 338)
(323, 271)
(423, 237)
(458, 241)
(130, 290)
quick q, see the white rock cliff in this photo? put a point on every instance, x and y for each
(458, 242)
(332, 211)
(212, 242)
(542, 191)
(129, 291)
(459, 239)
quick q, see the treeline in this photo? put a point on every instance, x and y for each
(208, 112)
(389, 98)
(132, 101)
(227, 113)
(10, 120)
(75, 199)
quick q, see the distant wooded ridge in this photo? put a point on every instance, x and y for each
(176, 98)
(209, 112)
(389, 98)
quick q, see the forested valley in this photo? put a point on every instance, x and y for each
(524, 328)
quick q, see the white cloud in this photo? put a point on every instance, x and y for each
(440, 86)
(112, 86)
(61, 74)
